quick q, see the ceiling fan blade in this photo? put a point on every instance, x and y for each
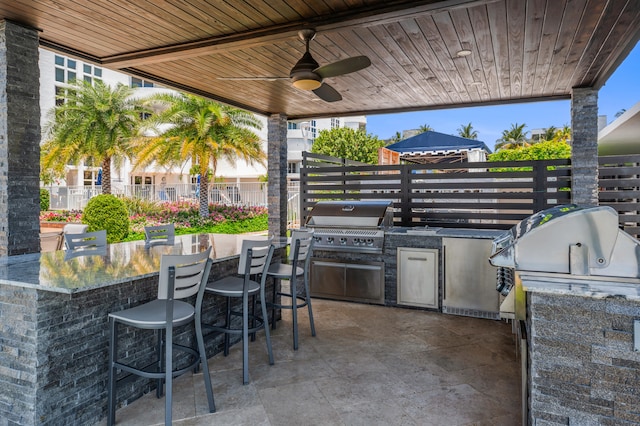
(344, 66)
(253, 78)
(327, 93)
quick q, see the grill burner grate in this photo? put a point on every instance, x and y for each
(351, 226)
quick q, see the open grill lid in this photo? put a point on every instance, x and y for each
(354, 214)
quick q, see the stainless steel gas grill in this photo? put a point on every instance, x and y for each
(355, 226)
(569, 239)
(565, 239)
(579, 244)
(349, 240)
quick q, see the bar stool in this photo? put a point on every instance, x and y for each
(255, 258)
(298, 266)
(181, 276)
(159, 235)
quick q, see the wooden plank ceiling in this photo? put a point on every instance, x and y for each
(520, 50)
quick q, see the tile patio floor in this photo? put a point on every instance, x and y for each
(368, 365)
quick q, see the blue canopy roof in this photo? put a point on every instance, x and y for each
(432, 142)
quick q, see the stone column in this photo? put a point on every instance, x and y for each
(277, 170)
(584, 156)
(19, 140)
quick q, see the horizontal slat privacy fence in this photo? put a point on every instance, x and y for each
(464, 195)
(619, 181)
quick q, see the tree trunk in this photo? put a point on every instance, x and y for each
(106, 175)
(204, 193)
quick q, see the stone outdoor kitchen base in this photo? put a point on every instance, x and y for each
(583, 368)
(54, 330)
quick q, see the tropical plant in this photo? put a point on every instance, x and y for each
(513, 138)
(467, 131)
(563, 135)
(397, 137)
(202, 131)
(93, 122)
(345, 142)
(549, 133)
(425, 128)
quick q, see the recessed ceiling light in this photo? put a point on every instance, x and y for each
(462, 53)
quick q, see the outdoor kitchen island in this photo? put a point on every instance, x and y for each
(54, 330)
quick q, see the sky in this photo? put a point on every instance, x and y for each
(621, 91)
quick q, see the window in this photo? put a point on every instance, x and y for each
(292, 168)
(335, 123)
(60, 95)
(138, 82)
(90, 177)
(313, 130)
(91, 73)
(65, 69)
(291, 125)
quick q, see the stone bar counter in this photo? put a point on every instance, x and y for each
(54, 327)
(584, 363)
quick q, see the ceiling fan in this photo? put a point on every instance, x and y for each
(307, 74)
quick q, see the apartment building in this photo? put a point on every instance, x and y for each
(58, 70)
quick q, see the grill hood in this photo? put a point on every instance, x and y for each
(353, 214)
(569, 239)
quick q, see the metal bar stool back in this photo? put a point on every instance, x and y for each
(298, 266)
(181, 276)
(160, 234)
(255, 258)
(86, 240)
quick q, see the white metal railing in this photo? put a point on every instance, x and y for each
(252, 194)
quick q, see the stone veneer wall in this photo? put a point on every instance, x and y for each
(584, 153)
(583, 370)
(19, 140)
(277, 170)
(54, 352)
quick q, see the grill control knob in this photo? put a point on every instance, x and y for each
(369, 241)
(343, 241)
(329, 240)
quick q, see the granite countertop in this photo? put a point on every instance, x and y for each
(63, 272)
(447, 232)
(594, 286)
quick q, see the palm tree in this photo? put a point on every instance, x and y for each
(425, 128)
(202, 131)
(563, 135)
(93, 122)
(396, 138)
(513, 138)
(549, 133)
(467, 132)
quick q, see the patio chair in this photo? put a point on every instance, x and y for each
(86, 241)
(255, 258)
(181, 277)
(160, 234)
(297, 266)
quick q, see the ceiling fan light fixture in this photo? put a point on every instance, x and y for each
(306, 80)
(304, 84)
(463, 52)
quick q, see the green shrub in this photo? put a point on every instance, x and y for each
(107, 212)
(45, 200)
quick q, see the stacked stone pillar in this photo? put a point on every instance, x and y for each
(584, 155)
(19, 140)
(277, 170)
